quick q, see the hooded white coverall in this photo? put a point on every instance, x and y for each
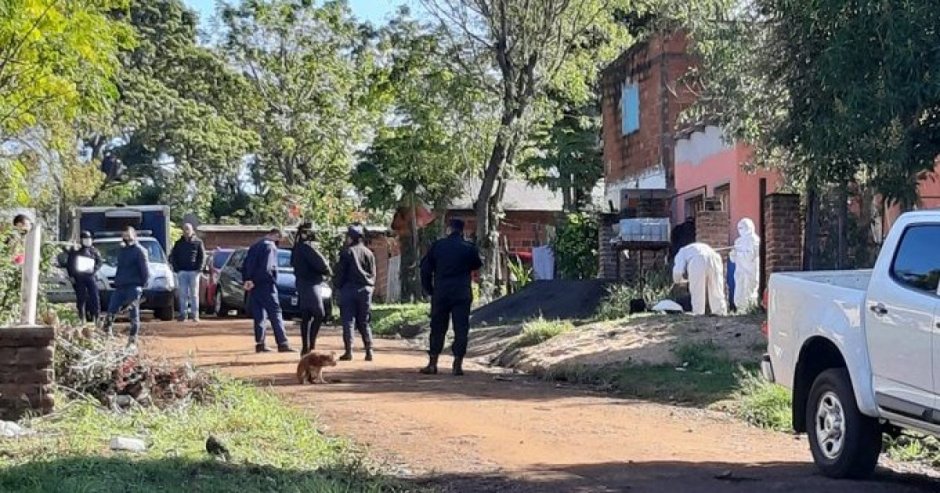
(746, 258)
(706, 275)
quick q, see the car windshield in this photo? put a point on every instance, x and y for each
(109, 251)
(283, 260)
(219, 259)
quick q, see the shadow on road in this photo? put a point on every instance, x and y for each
(684, 477)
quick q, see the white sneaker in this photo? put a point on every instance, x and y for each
(131, 347)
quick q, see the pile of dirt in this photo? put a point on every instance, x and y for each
(645, 340)
(563, 300)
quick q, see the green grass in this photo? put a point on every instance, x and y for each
(703, 377)
(653, 288)
(762, 403)
(389, 320)
(274, 448)
(537, 331)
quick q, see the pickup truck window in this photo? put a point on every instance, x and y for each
(917, 261)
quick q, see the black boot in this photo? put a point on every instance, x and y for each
(431, 369)
(347, 356)
(284, 348)
(369, 354)
(458, 366)
(261, 348)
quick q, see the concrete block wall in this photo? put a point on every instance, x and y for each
(26, 371)
(711, 228)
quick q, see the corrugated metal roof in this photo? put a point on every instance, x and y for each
(521, 196)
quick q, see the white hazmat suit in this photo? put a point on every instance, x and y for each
(746, 258)
(705, 272)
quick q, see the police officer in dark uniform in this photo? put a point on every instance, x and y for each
(82, 265)
(259, 272)
(355, 281)
(445, 276)
(310, 270)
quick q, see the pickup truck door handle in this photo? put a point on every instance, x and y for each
(879, 309)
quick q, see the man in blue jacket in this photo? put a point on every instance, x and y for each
(129, 280)
(260, 275)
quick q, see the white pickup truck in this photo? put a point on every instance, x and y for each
(861, 349)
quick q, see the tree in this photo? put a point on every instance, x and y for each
(566, 155)
(832, 92)
(176, 127)
(518, 49)
(310, 70)
(437, 129)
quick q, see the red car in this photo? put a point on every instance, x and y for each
(209, 280)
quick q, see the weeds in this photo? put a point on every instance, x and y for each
(540, 330)
(762, 403)
(652, 288)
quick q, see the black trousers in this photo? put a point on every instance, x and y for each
(87, 298)
(444, 310)
(356, 309)
(312, 314)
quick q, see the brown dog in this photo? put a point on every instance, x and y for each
(310, 367)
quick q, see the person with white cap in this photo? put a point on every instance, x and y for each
(705, 271)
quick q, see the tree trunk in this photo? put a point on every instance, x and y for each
(811, 228)
(487, 207)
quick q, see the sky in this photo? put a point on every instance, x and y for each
(376, 11)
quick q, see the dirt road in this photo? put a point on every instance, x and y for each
(488, 433)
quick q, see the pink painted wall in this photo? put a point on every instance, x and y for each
(718, 166)
(929, 191)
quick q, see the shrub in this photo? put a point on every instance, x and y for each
(575, 247)
(393, 319)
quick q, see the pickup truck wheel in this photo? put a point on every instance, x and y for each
(845, 443)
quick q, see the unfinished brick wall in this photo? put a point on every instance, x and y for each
(606, 255)
(711, 228)
(26, 371)
(783, 234)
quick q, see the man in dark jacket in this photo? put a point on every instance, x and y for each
(130, 278)
(445, 276)
(187, 259)
(82, 265)
(260, 275)
(310, 271)
(355, 281)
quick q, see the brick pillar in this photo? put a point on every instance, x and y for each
(26, 371)
(606, 255)
(784, 234)
(711, 228)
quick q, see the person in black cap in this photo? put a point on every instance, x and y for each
(355, 281)
(82, 264)
(259, 271)
(310, 270)
(445, 276)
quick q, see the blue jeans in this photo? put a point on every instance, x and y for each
(127, 296)
(86, 297)
(263, 300)
(188, 293)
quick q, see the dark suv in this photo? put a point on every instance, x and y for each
(230, 293)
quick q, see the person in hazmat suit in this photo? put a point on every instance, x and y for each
(746, 258)
(703, 267)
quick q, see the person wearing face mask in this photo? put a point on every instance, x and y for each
(259, 272)
(187, 258)
(310, 270)
(130, 278)
(82, 265)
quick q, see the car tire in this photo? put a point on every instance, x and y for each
(165, 313)
(845, 443)
(218, 305)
